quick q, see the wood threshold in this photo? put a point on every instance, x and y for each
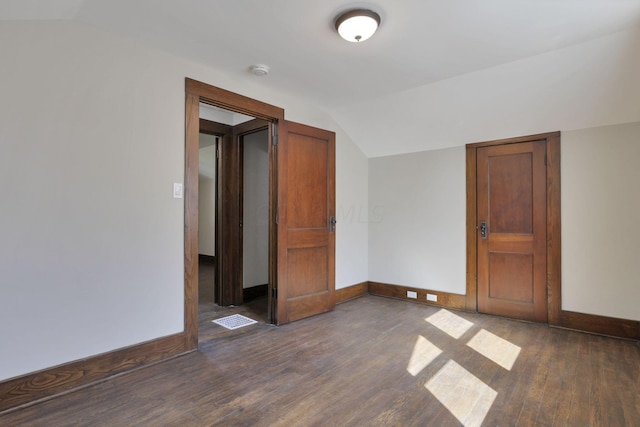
(46, 383)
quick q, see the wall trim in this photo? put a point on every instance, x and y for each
(29, 388)
(352, 292)
(581, 322)
(601, 325)
(445, 299)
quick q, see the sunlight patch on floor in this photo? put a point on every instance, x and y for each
(424, 352)
(449, 323)
(463, 394)
(495, 348)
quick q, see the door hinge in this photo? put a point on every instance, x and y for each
(274, 135)
(217, 153)
(274, 292)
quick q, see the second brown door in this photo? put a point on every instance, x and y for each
(306, 222)
(511, 209)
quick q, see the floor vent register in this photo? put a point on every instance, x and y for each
(235, 321)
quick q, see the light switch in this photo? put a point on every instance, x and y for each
(177, 190)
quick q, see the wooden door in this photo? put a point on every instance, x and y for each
(229, 211)
(511, 218)
(305, 222)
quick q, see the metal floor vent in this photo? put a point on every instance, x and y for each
(234, 321)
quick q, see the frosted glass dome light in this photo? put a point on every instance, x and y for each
(357, 25)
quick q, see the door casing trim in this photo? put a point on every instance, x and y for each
(197, 92)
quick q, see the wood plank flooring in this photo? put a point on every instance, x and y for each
(371, 362)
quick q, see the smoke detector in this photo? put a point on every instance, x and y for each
(260, 70)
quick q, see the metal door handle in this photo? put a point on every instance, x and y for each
(483, 229)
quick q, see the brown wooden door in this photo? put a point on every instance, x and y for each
(511, 208)
(305, 235)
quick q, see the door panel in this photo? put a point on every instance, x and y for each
(511, 196)
(306, 202)
(511, 192)
(508, 268)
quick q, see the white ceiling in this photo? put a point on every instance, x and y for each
(419, 43)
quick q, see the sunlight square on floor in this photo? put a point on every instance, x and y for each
(424, 352)
(462, 393)
(452, 324)
(495, 348)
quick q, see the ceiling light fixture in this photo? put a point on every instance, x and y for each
(357, 25)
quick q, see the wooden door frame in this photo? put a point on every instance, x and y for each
(552, 142)
(197, 92)
(223, 132)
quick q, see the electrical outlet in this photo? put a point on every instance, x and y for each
(411, 294)
(432, 297)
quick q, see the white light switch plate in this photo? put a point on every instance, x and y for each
(177, 190)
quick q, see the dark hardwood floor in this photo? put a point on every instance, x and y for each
(372, 361)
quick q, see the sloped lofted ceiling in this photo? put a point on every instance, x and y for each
(438, 73)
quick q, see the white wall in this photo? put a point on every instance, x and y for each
(600, 215)
(255, 225)
(352, 213)
(417, 220)
(207, 195)
(91, 240)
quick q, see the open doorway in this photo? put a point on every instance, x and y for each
(301, 210)
(233, 196)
